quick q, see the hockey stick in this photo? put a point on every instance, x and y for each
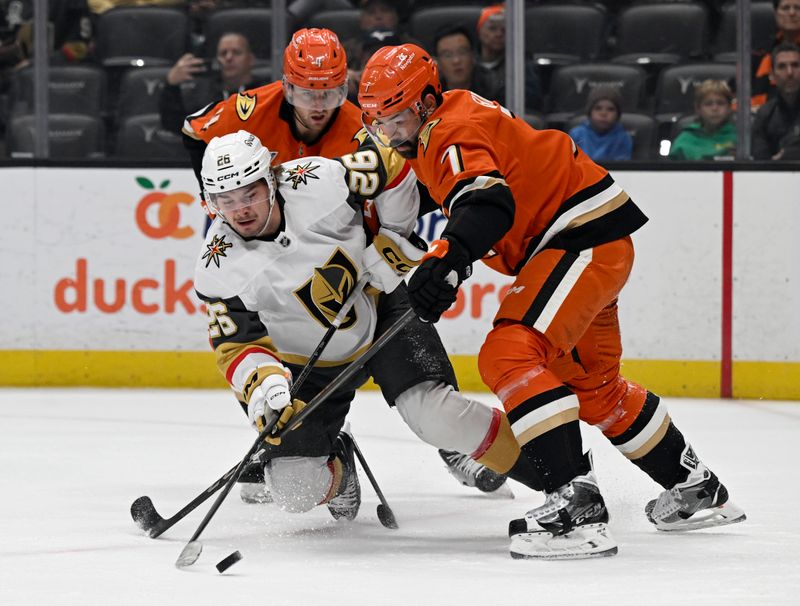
(193, 548)
(385, 513)
(143, 511)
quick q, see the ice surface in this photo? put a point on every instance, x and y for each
(73, 461)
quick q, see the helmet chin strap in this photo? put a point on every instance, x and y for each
(298, 118)
(269, 216)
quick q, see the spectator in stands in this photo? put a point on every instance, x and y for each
(458, 67)
(776, 127)
(713, 134)
(787, 24)
(602, 136)
(71, 32)
(383, 14)
(233, 74)
(492, 56)
(492, 42)
(361, 53)
(381, 25)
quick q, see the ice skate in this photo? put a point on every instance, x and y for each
(346, 502)
(253, 490)
(572, 524)
(471, 473)
(700, 501)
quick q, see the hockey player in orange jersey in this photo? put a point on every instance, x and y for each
(307, 114)
(532, 205)
(304, 114)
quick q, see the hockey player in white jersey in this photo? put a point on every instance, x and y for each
(285, 251)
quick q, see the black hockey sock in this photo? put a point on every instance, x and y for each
(663, 462)
(524, 473)
(557, 455)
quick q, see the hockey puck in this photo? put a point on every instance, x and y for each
(223, 565)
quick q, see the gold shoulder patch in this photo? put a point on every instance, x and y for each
(425, 134)
(245, 104)
(361, 135)
(392, 161)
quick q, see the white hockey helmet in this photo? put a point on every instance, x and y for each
(233, 161)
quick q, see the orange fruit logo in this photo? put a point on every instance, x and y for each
(168, 216)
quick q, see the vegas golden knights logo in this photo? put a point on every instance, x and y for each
(326, 291)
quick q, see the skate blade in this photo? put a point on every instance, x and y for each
(725, 514)
(504, 492)
(590, 541)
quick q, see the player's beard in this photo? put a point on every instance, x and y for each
(408, 149)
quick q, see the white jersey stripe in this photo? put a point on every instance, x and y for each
(562, 290)
(647, 432)
(534, 417)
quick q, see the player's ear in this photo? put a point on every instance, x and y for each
(429, 101)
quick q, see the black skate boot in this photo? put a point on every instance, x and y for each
(346, 502)
(471, 473)
(572, 524)
(700, 501)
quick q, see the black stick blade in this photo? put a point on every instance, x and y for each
(145, 515)
(386, 517)
(189, 554)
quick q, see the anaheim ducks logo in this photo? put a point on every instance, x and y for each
(425, 135)
(301, 174)
(326, 291)
(215, 250)
(245, 104)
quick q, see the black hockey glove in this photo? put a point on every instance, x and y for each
(434, 286)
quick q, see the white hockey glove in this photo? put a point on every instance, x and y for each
(389, 258)
(272, 393)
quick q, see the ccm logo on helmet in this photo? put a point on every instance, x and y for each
(226, 177)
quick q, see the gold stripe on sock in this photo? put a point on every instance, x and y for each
(657, 436)
(504, 451)
(561, 418)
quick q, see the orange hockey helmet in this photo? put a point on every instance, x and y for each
(394, 79)
(315, 59)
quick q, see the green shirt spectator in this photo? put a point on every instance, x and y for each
(713, 134)
(695, 143)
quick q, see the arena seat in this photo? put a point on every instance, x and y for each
(142, 137)
(424, 23)
(571, 84)
(536, 120)
(762, 30)
(139, 90)
(676, 84)
(254, 23)
(663, 33)
(345, 22)
(70, 136)
(559, 34)
(141, 36)
(72, 89)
